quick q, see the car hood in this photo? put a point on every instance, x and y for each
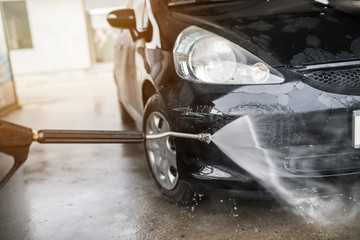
(300, 36)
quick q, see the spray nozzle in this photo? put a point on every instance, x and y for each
(202, 137)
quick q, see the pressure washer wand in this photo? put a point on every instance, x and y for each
(89, 136)
(15, 140)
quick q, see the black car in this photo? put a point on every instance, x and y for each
(292, 67)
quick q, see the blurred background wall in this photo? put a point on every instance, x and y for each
(55, 35)
(45, 38)
(46, 35)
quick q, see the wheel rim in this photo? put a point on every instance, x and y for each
(161, 152)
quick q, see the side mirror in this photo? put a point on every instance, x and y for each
(122, 18)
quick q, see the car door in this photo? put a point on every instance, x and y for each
(130, 63)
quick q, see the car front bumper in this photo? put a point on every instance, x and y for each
(309, 130)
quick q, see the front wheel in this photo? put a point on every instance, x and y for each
(161, 154)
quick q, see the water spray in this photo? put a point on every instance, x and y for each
(314, 200)
(15, 140)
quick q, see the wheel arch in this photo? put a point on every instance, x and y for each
(148, 89)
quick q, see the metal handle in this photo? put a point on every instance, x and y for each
(203, 137)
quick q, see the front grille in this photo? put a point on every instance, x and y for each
(321, 160)
(328, 164)
(342, 80)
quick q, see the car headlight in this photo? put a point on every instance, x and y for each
(202, 56)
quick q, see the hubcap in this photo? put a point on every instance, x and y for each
(161, 152)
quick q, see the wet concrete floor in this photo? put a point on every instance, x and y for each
(106, 191)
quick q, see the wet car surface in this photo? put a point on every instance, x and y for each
(290, 66)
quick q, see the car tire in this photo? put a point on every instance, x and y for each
(161, 155)
(124, 115)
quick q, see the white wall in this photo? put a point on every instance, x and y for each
(59, 36)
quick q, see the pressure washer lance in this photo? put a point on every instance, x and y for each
(15, 140)
(91, 136)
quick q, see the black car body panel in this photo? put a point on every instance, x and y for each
(308, 122)
(312, 134)
(310, 35)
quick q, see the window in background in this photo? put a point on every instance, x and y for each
(17, 24)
